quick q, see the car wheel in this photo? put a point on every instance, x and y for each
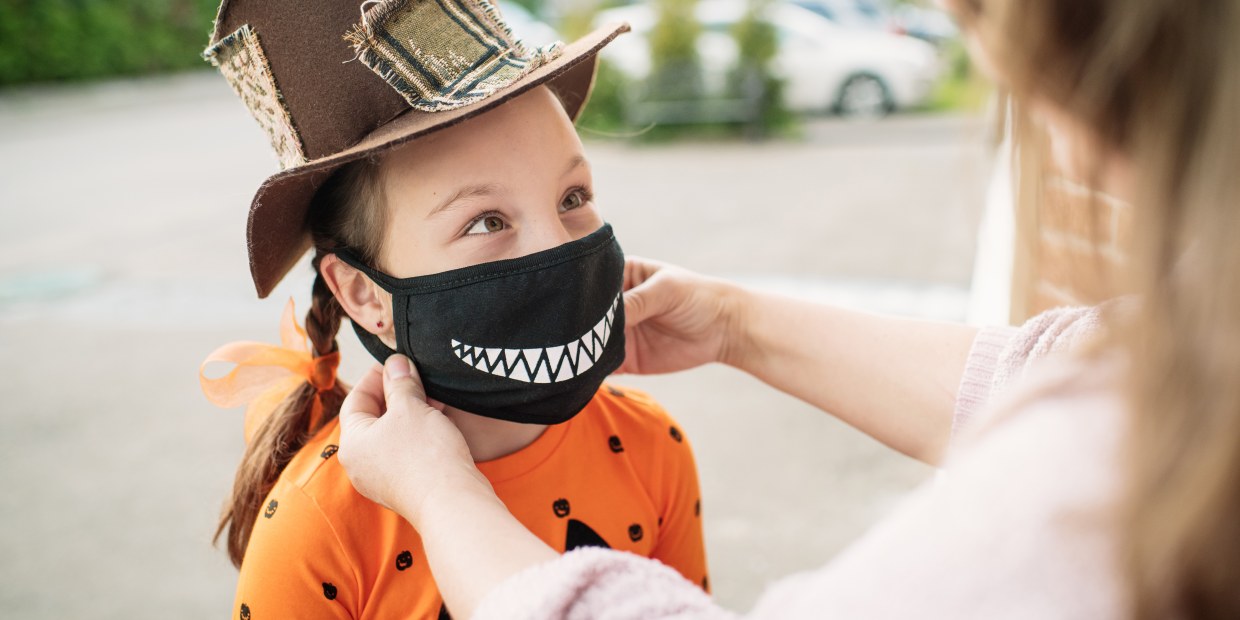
(863, 96)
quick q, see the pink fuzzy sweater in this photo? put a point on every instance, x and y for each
(1016, 527)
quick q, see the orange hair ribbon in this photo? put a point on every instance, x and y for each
(266, 374)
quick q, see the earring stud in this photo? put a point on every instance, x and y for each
(379, 325)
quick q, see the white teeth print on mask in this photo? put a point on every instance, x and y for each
(542, 365)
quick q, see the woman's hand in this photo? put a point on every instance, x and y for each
(676, 319)
(398, 450)
(401, 452)
(895, 379)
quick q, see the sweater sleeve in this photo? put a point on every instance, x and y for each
(594, 583)
(590, 583)
(1018, 530)
(1000, 356)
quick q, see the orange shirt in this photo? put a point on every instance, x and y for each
(619, 474)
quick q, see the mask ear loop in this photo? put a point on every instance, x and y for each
(400, 304)
(378, 277)
(372, 343)
(400, 320)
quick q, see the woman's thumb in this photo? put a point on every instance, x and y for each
(401, 382)
(637, 304)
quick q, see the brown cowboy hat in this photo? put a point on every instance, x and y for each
(334, 81)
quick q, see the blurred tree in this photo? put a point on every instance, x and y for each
(752, 79)
(58, 40)
(605, 112)
(577, 21)
(537, 8)
(676, 70)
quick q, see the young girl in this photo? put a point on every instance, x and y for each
(473, 245)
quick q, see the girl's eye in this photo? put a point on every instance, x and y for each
(574, 200)
(486, 225)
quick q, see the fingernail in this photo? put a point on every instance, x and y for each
(397, 367)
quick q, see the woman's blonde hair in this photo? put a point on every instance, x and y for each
(1157, 83)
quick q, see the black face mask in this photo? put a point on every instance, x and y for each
(528, 339)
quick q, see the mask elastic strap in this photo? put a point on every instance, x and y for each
(372, 343)
(382, 279)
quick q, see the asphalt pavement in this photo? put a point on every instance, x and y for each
(123, 263)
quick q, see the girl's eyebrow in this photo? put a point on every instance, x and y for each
(468, 191)
(490, 189)
(574, 163)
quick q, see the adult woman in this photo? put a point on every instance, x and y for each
(1105, 486)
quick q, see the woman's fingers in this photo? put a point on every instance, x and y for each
(638, 270)
(401, 383)
(636, 308)
(378, 420)
(642, 295)
(365, 402)
(396, 447)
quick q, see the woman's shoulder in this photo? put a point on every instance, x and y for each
(1019, 519)
(1078, 391)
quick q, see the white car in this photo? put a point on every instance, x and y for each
(826, 67)
(525, 26)
(930, 25)
(854, 14)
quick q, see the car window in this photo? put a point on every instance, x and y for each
(793, 38)
(869, 9)
(820, 9)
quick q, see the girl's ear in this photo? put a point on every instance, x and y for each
(364, 301)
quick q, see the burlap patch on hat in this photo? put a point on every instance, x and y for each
(240, 58)
(443, 54)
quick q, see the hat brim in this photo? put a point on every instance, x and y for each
(276, 232)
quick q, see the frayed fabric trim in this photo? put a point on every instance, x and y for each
(443, 54)
(240, 58)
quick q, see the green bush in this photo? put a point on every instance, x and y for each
(961, 87)
(61, 40)
(757, 43)
(675, 69)
(605, 113)
(672, 102)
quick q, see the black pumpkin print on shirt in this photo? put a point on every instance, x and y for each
(578, 533)
(245, 612)
(675, 433)
(581, 535)
(404, 560)
(635, 532)
(271, 509)
(329, 591)
(614, 444)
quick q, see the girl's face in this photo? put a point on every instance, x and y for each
(510, 182)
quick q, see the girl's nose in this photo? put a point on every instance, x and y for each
(544, 234)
